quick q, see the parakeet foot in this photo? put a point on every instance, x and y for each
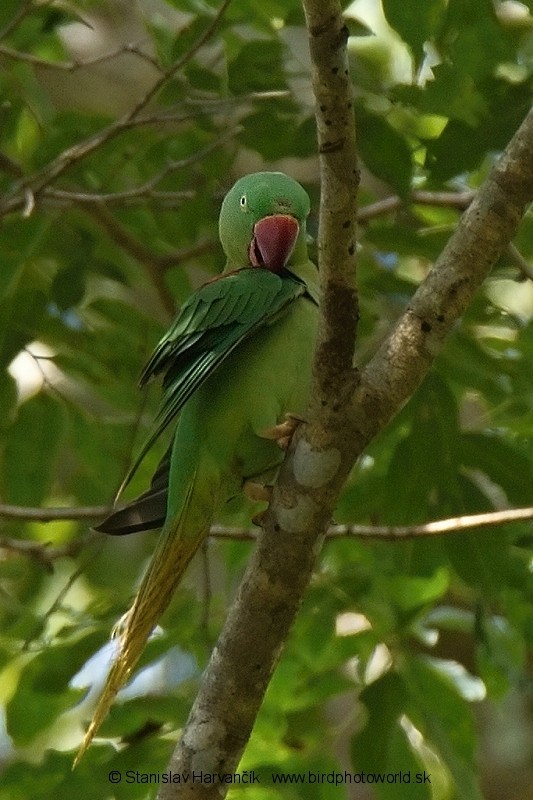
(256, 492)
(284, 431)
(259, 518)
(121, 625)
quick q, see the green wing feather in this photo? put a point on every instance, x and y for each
(211, 324)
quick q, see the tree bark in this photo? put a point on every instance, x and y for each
(346, 412)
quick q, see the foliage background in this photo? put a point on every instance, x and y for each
(406, 656)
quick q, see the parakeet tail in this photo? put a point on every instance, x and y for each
(179, 541)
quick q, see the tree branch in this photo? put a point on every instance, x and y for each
(148, 187)
(45, 554)
(260, 618)
(28, 514)
(437, 527)
(155, 264)
(483, 233)
(524, 266)
(25, 9)
(72, 66)
(459, 200)
(122, 236)
(324, 450)
(432, 528)
(42, 552)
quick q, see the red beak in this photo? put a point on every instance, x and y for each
(273, 241)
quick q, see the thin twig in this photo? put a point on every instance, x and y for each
(9, 166)
(43, 553)
(72, 66)
(181, 62)
(148, 186)
(57, 198)
(56, 603)
(437, 527)
(29, 514)
(22, 12)
(40, 180)
(459, 200)
(110, 198)
(52, 198)
(524, 266)
(185, 253)
(125, 239)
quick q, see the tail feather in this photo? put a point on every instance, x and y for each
(175, 549)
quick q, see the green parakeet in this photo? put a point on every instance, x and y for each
(236, 361)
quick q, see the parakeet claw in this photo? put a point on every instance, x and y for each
(256, 492)
(121, 625)
(259, 518)
(284, 431)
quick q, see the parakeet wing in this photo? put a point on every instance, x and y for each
(147, 511)
(211, 324)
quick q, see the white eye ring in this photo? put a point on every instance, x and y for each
(243, 202)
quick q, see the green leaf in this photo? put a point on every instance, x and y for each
(258, 67)
(451, 94)
(68, 286)
(443, 716)
(501, 654)
(506, 463)
(20, 319)
(415, 22)
(469, 24)
(43, 686)
(356, 26)
(381, 749)
(462, 146)
(383, 149)
(28, 463)
(432, 479)
(384, 701)
(412, 592)
(9, 10)
(8, 400)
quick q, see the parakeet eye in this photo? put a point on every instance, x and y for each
(244, 203)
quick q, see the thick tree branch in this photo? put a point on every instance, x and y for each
(483, 233)
(260, 618)
(319, 460)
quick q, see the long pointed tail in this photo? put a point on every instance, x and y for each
(174, 551)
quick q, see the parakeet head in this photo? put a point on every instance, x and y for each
(262, 221)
